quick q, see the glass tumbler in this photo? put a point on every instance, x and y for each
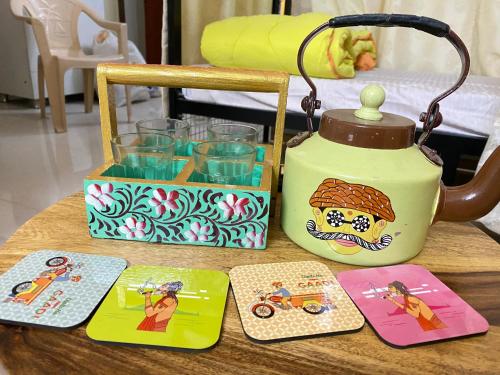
(144, 155)
(228, 163)
(177, 129)
(232, 132)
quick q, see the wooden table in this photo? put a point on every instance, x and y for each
(459, 254)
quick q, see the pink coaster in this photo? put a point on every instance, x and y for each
(408, 305)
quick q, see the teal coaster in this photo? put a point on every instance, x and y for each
(58, 289)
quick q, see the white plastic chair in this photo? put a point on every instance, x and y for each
(55, 25)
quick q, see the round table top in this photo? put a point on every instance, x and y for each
(461, 255)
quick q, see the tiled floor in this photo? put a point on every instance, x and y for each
(39, 167)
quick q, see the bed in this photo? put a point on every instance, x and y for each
(469, 114)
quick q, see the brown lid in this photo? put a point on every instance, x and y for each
(367, 127)
(338, 193)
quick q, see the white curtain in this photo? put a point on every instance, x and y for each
(475, 21)
(198, 13)
(195, 15)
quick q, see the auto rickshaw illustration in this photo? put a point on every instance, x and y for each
(311, 303)
(60, 270)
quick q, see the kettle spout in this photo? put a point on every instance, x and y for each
(475, 198)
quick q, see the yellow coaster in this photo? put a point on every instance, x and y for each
(163, 306)
(285, 300)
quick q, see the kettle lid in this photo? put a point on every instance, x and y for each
(367, 127)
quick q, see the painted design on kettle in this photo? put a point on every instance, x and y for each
(350, 217)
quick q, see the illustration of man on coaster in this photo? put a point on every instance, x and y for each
(283, 293)
(159, 314)
(281, 299)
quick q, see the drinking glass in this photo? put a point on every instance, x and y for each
(229, 163)
(143, 155)
(177, 129)
(232, 132)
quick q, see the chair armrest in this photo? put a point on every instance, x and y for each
(41, 38)
(123, 40)
(119, 28)
(109, 25)
(23, 18)
(17, 10)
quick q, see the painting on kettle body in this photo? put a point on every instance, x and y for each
(350, 217)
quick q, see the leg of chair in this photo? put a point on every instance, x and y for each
(129, 103)
(41, 87)
(55, 87)
(88, 89)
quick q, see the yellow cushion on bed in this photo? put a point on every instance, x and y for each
(271, 42)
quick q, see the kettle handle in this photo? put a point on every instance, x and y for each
(432, 117)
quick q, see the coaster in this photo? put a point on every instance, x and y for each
(57, 289)
(291, 300)
(163, 306)
(408, 305)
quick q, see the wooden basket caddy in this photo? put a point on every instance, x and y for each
(181, 211)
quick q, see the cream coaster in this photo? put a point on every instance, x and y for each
(286, 300)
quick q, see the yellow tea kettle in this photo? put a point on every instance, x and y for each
(359, 191)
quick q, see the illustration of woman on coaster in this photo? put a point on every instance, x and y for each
(414, 306)
(159, 314)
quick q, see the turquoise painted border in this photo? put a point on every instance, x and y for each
(177, 214)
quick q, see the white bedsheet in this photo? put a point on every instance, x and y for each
(470, 111)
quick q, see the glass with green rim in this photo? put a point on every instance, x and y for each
(145, 155)
(232, 132)
(177, 129)
(228, 163)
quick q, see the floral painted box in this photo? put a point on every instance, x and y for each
(181, 211)
(184, 210)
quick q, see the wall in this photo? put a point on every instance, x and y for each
(198, 13)
(111, 10)
(134, 16)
